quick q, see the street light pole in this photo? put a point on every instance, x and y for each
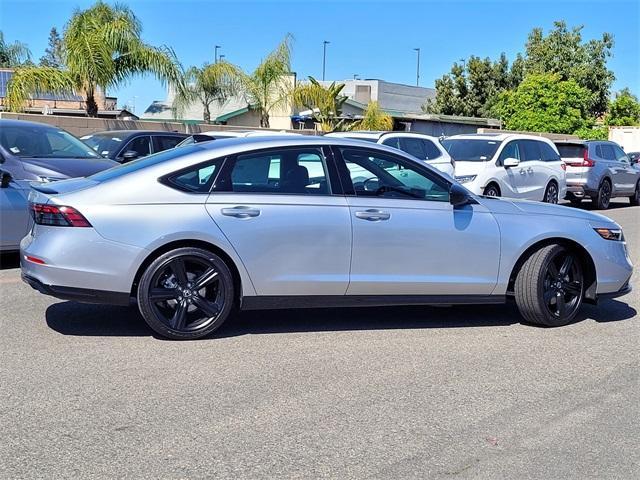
(324, 57)
(215, 49)
(418, 68)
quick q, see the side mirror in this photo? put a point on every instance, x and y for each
(130, 155)
(459, 196)
(510, 162)
(5, 179)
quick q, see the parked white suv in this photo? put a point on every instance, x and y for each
(508, 165)
(424, 147)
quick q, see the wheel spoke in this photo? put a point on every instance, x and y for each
(162, 294)
(547, 296)
(553, 270)
(566, 265)
(179, 270)
(179, 317)
(205, 279)
(574, 288)
(560, 305)
(210, 309)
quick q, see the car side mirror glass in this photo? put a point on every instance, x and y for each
(458, 195)
(130, 155)
(510, 162)
(5, 179)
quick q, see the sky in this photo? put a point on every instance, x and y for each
(371, 39)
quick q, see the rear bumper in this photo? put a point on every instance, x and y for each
(580, 191)
(84, 295)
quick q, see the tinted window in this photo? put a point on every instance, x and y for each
(291, 171)
(43, 142)
(548, 153)
(431, 150)
(197, 179)
(605, 151)
(470, 150)
(510, 150)
(413, 146)
(392, 142)
(570, 151)
(139, 145)
(106, 144)
(374, 174)
(619, 153)
(530, 150)
(161, 143)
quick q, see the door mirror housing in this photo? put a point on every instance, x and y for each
(130, 155)
(510, 162)
(5, 179)
(459, 196)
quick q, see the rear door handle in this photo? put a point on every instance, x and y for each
(530, 170)
(373, 215)
(240, 212)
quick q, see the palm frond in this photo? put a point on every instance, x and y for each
(29, 81)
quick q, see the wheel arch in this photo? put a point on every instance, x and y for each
(235, 272)
(589, 267)
(492, 181)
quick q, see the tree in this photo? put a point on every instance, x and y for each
(325, 102)
(101, 49)
(211, 83)
(374, 118)
(563, 52)
(13, 54)
(545, 103)
(53, 53)
(266, 88)
(624, 110)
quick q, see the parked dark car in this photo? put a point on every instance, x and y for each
(40, 152)
(634, 157)
(126, 145)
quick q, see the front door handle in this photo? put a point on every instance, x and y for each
(373, 215)
(240, 212)
(530, 170)
(522, 171)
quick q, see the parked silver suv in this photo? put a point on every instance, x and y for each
(599, 170)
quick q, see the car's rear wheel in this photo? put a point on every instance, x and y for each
(551, 193)
(603, 197)
(635, 198)
(186, 293)
(491, 190)
(549, 287)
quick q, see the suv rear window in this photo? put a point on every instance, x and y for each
(570, 151)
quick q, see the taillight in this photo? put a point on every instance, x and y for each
(57, 216)
(587, 162)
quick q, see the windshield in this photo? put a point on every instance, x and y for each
(105, 144)
(27, 141)
(471, 150)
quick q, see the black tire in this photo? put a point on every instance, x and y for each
(549, 288)
(551, 193)
(603, 197)
(491, 190)
(635, 198)
(171, 302)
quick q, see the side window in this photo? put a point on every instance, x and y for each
(431, 150)
(196, 179)
(161, 142)
(606, 152)
(290, 171)
(392, 142)
(413, 146)
(531, 150)
(510, 150)
(548, 153)
(620, 155)
(374, 174)
(140, 145)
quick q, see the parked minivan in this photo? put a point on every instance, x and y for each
(599, 170)
(508, 165)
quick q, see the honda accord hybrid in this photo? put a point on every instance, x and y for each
(194, 233)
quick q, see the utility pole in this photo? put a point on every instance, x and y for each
(215, 49)
(324, 57)
(418, 68)
(221, 57)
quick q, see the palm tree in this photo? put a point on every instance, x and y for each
(325, 102)
(266, 88)
(101, 48)
(374, 118)
(13, 54)
(211, 83)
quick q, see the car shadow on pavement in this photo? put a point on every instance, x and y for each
(9, 260)
(70, 318)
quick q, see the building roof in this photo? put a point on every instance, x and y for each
(5, 77)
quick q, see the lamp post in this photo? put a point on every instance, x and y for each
(464, 64)
(324, 56)
(418, 68)
(355, 76)
(221, 57)
(215, 50)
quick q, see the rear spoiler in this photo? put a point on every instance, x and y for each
(39, 187)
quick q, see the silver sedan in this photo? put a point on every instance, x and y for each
(193, 233)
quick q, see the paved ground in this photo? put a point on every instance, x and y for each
(87, 392)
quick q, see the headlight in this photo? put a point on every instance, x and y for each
(466, 178)
(614, 234)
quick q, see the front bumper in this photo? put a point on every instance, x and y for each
(623, 291)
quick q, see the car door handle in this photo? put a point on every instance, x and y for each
(373, 215)
(523, 171)
(240, 212)
(530, 170)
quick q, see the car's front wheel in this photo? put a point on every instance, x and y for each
(549, 287)
(186, 293)
(635, 198)
(491, 190)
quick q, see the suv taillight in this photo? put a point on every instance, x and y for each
(587, 162)
(57, 216)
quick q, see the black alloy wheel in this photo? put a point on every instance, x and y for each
(563, 285)
(186, 293)
(603, 197)
(635, 198)
(491, 191)
(551, 194)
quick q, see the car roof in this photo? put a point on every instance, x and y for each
(9, 122)
(498, 137)
(134, 132)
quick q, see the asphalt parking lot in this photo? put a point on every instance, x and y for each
(467, 392)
